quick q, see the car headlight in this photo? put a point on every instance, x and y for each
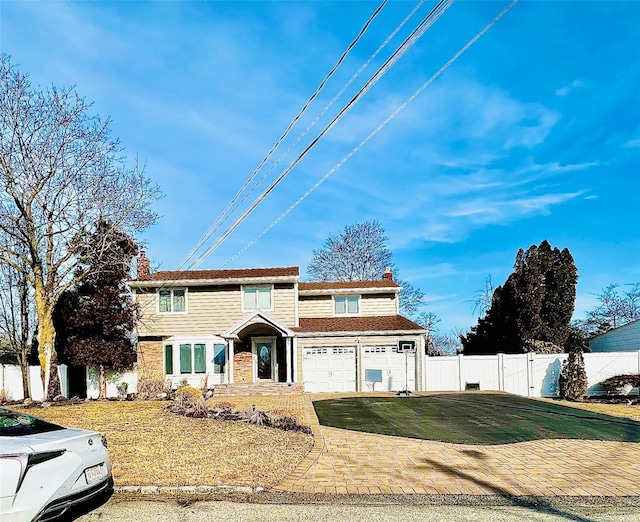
(103, 439)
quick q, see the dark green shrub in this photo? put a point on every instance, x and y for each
(573, 377)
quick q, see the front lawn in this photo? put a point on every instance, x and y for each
(473, 418)
(150, 446)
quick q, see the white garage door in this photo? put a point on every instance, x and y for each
(329, 369)
(398, 370)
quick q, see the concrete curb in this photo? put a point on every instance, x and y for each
(185, 490)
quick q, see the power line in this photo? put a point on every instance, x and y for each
(221, 220)
(427, 22)
(213, 228)
(375, 131)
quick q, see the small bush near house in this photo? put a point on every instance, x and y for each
(573, 377)
(289, 423)
(5, 396)
(152, 385)
(188, 403)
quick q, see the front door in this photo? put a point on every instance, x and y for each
(264, 359)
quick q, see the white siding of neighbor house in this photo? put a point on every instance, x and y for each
(371, 305)
(210, 310)
(623, 339)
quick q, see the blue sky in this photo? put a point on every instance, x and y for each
(532, 134)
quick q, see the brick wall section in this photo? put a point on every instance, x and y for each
(242, 367)
(150, 357)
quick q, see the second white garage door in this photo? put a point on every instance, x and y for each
(329, 369)
(398, 370)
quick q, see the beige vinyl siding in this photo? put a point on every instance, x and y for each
(315, 306)
(378, 304)
(370, 305)
(211, 310)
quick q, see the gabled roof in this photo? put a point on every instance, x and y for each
(358, 325)
(212, 277)
(263, 318)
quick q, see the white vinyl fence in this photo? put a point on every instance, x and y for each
(11, 381)
(528, 374)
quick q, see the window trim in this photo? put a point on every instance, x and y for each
(257, 308)
(346, 313)
(171, 290)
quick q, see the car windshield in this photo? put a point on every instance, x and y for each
(13, 423)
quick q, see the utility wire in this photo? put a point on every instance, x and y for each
(213, 228)
(427, 22)
(216, 226)
(222, 217)
(361, 144)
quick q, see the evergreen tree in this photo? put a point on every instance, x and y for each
(535, 304)
(96, 318)
(573, 377)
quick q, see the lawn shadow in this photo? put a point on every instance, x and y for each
(539, 504)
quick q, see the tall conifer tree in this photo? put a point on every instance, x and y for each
(96, 318)
(535, 304)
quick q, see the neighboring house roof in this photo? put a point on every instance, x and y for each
(622, 338)
(360, 325)
(203, 277)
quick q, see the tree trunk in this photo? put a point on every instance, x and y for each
(102, 382)
(24, 370)
(46, 341)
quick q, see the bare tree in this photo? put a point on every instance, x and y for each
(482, 298)
(16, 319)
(617, 307)
(360, 253)
(60, 174)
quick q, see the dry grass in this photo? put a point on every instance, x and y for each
(150, 446)
(620, 410)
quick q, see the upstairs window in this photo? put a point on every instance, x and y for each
(257, 297)
(172, 301)
(348, 305)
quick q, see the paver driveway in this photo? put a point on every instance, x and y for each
(344, 461)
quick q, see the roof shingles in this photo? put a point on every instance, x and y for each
(338, 285)
(244, 273)
(388, 323)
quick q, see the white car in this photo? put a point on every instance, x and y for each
(48, 472)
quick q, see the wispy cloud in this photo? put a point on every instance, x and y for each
(564, 91)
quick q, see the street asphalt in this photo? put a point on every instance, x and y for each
(370, 508)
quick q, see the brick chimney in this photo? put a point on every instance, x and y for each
(388, 275)
(144, 266)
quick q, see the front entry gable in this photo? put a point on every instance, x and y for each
(257, 318)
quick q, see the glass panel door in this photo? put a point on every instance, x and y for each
(263, 349)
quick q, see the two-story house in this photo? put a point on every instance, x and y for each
(263, 325)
